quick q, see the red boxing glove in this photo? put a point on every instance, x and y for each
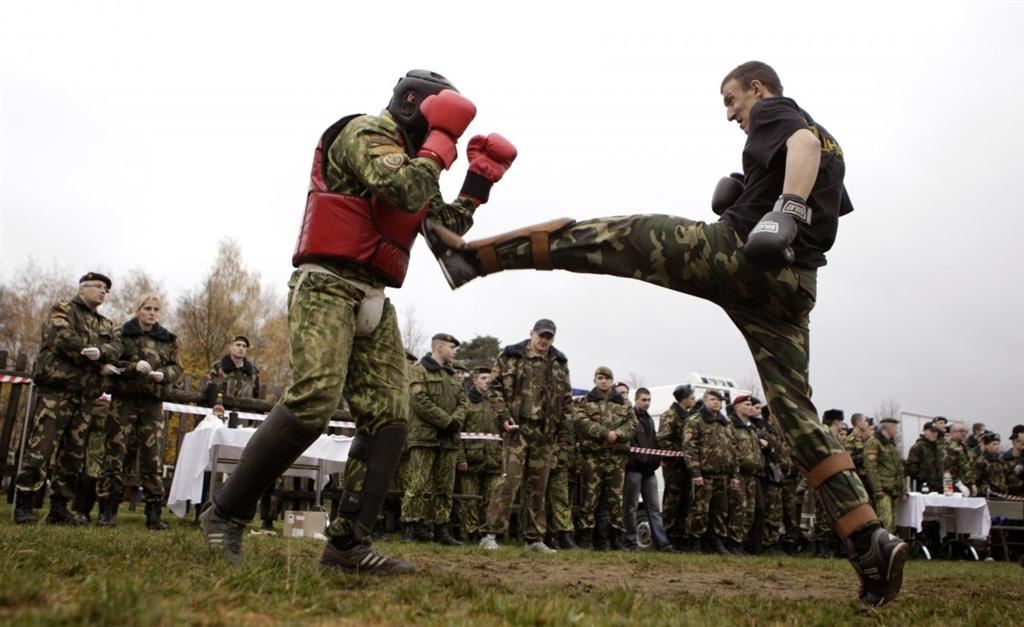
(490, 156)
(447, 113)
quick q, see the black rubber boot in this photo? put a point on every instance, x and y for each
(443, 536)
(108, 512)
(585, 538)
(85, 497)
(715, 546)
(61, 515)
(24, 513)
(565, 540)
(153, 520)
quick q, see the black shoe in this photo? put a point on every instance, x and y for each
(409, 532)
(881, 568)
(24, 513)
(221, 533)
(153, 520)
(736, 548)
(61, 515)
(668, 548)
(108, 513)
(715, 546)
(565, 540)
(362, 559)
(267, 524)
(444, 537)
(585, 538)
(459, 267)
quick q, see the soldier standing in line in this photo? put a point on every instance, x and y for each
(532, 396)
(956, 459)
(924, 461)
(862, 430)
(479, 461)
(714, 465)
(438, 414)
(565, 461)
(79, 348)
(149, 365)
(884, 468)
(750, 459)
(989, 468)
(826, 542)
(85, 495)
(777, 468)
(605, 424)
(674, 471)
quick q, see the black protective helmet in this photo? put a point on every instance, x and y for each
(409, 93)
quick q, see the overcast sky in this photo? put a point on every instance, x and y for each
(138, 134)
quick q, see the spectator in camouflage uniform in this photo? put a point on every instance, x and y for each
(778, 469)
(605, 423)
(233, 375)
(438, 413)
(924, 461)
(564, 471)
(532, 397)
(85, 495)
(373, 184)
(674, 472)
(956, 459)
(79, 347)
(826, 542)
(149, 365)
(989, 468)
(862, 430)
(1014, 460)
(743, 498)
(713, 461)
(479, 461)
(884, 468)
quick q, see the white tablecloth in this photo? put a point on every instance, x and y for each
(194, 460)
(955, 514)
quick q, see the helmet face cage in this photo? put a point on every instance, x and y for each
(410, 92)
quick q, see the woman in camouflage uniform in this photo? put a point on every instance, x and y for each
(149, 364)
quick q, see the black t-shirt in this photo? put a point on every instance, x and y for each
(772, 122)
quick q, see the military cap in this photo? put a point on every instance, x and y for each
(411, 356)
(931, 426)
(604, 370)
(458, 364)
(742, 397)
(482, 370)
(95, 276)
(446, 337)
(756, 401)
(832, 415)
(682, 391)
(241, 338)
(716, 394)
(544, 326)
(890, 419)
(989, 438)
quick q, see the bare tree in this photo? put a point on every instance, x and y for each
(888, 409)
(122, 301)
(635, 380)
(752, 382)
(413, 336)
(25, 302)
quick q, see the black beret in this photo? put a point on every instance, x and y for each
(446, 337)
(682, 391)
(989, 438)
(831, 415)
(95, 276)
(716, 394)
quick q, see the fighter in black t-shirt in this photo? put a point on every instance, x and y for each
(759, 263)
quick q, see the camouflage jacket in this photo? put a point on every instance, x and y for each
(748, 449)
(778, 450)
(855, 447)
(883, 466)
(957, 462)
(597, 416)
(370, 157)
(710, 447)
(159, 347)
(438, 405)
(990, 474)
(672, 430)
(1014, 479)
(230, 380)
(924, 464)
(480, 455)
(69, 327)
(534, 391)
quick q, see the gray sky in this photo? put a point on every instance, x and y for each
(138, 134)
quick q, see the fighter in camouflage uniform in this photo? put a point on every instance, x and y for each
(149, 365)
(78, 349)
(532, 397)
(743, 500)
(438, 414)
(479, 461)
(678, 485)
(759, 263)
(605, 424)
(373, 182)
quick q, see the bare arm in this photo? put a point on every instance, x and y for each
(803, 156)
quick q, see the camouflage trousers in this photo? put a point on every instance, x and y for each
(792, 507)
(770, 309)
(430, 483)
(62, 423)
(676, 500)
(885, 506)
(742, 501)
(471, 511)
(96, 439)
(526, 460)
(328, 360)
(823, 523)
(710, 507)
(559, 507)
(773, 520)
(141, 420)
(607, 474)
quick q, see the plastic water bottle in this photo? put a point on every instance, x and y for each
(924, 488)
(947, 484)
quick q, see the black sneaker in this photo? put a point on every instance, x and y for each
(881, 568)
(65, 517)
(361, 558)
(222, 534)
(459, 267)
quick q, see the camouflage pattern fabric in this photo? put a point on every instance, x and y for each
(235, 381)
(956, 461)
(69, 327)
(159, 348)
(777, 453)
(742, 501)
(471, 511)
(96, 439)
(771, 310)
(604, 464)
(527, 462)
(710, 507)
(677, 478)
(710, 446)
(559, 506)
(924, 464)
(884, 469)
(480, 455)
(62, 422)
(990, 473)
(430, 484)
(438, 403)
(792, 507)
(142, 420)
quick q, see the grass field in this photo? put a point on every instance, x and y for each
(131, 576)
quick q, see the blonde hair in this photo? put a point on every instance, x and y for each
(145, 298)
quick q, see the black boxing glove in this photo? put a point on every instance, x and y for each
(768, 244)
(727, 192)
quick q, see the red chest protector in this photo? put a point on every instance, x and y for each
(354, 228)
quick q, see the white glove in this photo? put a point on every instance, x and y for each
(974, 490)
(157, 376)
(109, 370)
(144, 367)
(963, 489)
(91, 352)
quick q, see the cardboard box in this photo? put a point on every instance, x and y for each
(304, 524)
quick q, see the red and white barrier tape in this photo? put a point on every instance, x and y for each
(8, 378)
(655, 451)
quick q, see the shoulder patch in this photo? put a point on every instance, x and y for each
(60, 322)
(393, 161)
